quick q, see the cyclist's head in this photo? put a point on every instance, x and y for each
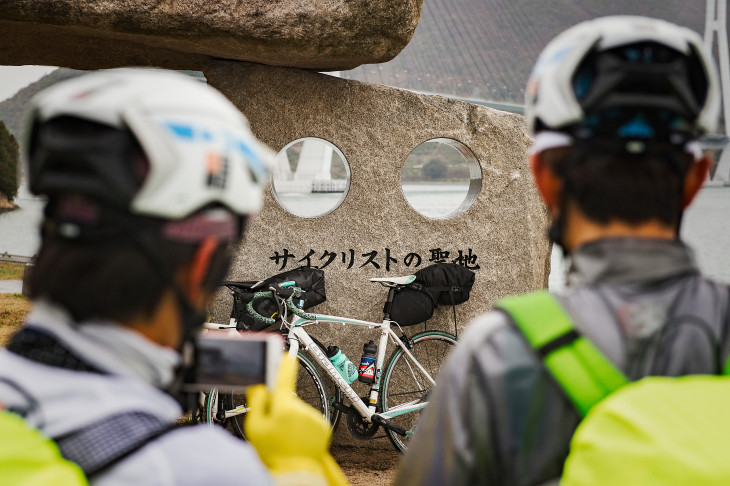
(616, 106)
(143, 170)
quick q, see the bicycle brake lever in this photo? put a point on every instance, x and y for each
(299, 294)
(284, 292)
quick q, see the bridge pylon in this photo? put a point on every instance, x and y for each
(716, 25)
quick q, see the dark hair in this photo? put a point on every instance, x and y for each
(114, 280)
(628, 188)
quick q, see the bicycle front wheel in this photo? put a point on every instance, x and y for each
(405, 384)
(309, 387)
(217, 403)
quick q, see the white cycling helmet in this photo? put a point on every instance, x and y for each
(593, 72)
(196, 148)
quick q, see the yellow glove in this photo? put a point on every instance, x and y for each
(291, 437)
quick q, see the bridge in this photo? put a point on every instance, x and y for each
(715, 28)
(312, 172)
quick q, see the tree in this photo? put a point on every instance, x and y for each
(434, 169)
(8, 163)
(459, 172)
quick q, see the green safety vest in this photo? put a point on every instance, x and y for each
(27, 458)
(656, 431)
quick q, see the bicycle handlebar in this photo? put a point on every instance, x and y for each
(252, 312)
(295, 309)
(270, 294)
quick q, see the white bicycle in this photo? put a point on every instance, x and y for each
(395, 398)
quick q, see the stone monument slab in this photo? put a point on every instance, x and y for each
(375, 232)
(312, 34)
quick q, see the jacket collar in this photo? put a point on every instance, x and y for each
(641, 261)
(108, 346)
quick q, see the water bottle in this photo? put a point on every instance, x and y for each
(366, 373)
(343, 365)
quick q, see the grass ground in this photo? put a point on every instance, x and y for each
(13, 308)
(11, 271)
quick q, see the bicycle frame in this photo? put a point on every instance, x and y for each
(297, 335)
(297, 338)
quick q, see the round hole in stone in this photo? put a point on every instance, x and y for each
(311, 177)
(441, 178)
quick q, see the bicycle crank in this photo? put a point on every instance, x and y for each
(358, 426)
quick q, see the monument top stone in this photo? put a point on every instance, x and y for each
(323, 35)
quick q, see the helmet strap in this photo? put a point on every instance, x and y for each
(556, 231)
(191, 322)
(191, 319)
(676, 162)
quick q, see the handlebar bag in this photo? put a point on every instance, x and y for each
(245, 322)
(440, 283)
(311, 280)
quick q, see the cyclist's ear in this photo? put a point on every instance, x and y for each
(695, 178)
(199, 268)
(548, 184)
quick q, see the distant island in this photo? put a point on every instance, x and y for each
(6, 205)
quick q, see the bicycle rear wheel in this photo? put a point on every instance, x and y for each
(405, 383)
(310, 388)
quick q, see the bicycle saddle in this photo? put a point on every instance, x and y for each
(404, 280)
(249, 286)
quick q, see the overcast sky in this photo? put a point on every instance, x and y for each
(14, 78)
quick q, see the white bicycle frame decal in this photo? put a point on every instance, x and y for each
(298, 336)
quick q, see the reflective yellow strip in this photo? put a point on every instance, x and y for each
(583, 372)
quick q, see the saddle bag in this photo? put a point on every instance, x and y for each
(440, 283)
(311, 280)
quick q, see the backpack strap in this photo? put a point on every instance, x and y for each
(582, 371)
(726, 366)
(43, 347)
(98, 446)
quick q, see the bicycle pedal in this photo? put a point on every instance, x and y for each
(377, 419)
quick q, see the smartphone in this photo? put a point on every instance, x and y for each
(233, 361)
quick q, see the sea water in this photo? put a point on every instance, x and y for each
(706, 224)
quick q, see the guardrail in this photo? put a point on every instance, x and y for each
(7, 257)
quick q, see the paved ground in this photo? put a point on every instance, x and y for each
(11, 286)
(367, 467)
